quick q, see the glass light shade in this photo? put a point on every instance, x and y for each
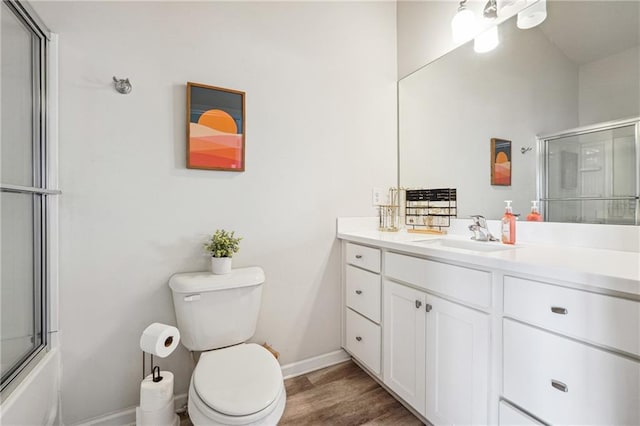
(463, 25)
(533, 15)
(487, 41)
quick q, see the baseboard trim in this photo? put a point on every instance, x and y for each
(315, 363)
(127, 417)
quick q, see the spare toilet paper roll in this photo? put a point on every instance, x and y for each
(165, 416)
(156, 395)
(159, 339)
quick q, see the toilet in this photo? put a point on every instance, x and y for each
(233, 383)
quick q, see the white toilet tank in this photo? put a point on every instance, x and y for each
(214, 311)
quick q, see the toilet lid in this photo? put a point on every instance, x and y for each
(239, 380)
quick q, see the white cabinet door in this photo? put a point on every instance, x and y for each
(457, 372)
(404, 340)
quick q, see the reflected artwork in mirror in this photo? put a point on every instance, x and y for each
(578, 69)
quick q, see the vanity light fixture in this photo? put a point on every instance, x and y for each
(533, 15)
(463, 24)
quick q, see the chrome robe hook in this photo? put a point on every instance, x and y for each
(122, 85)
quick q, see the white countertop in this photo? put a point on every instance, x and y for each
(603, 269)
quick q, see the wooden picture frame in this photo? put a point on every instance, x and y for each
(500, 162)
(215, 128)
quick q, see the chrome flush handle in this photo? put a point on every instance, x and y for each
(559, 385)
(559, 310)
(418, 304)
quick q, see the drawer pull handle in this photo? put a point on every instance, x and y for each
(418, 304)
(559, 385)
(358, 256)
(358, 291)
(428, 307)
(358, 338)
(559, 310)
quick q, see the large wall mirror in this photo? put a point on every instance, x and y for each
(577, 70)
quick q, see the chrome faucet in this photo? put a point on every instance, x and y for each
(480, 229)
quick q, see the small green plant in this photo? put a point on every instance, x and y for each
(223, 244)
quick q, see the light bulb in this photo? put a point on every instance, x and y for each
(463, 25)
(487, 41)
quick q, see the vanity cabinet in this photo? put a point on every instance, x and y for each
(436, 352)
(468, 340)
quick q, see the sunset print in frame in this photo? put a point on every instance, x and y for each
(215, 128)
(500, 162)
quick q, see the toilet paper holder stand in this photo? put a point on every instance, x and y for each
(155, 370)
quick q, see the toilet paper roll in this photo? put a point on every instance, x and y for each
(156, 395)
(164, 416)
(159, 339)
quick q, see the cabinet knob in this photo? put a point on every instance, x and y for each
(428, 307)
(358, 338)
(358, 291)
(559, 310)
(559, 385)
(358, 256)
(418, 304)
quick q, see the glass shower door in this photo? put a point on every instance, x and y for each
(591, 176)
(23, 193)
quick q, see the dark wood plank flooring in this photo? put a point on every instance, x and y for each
(341, 395)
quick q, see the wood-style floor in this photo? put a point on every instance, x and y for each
(342, 395)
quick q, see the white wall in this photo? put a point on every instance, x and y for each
(321, 124)
(610, 88)
(450, 110)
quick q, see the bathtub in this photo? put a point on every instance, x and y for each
(35, 400)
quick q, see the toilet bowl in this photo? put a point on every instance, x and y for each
(239, 385)
(234, 382)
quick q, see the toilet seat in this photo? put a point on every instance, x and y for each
(241, 384)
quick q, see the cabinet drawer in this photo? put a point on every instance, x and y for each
(363, 292)
(468, 285)
(511, 416)
(365, 257)
(562, 381)
(604, 320)
(363, 340)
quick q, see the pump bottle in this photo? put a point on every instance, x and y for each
(535, 215)
(508, 225)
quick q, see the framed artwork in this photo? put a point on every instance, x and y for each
(500, 162)
(215, 128)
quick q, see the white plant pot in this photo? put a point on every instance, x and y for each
(221, 265)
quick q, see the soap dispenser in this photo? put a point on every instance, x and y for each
(535, 215)
(508, 225)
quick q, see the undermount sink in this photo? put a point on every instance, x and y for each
(482, 246)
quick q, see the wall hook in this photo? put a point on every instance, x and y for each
(122, 85)
(525, 150)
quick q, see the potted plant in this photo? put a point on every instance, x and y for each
(222, 246)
